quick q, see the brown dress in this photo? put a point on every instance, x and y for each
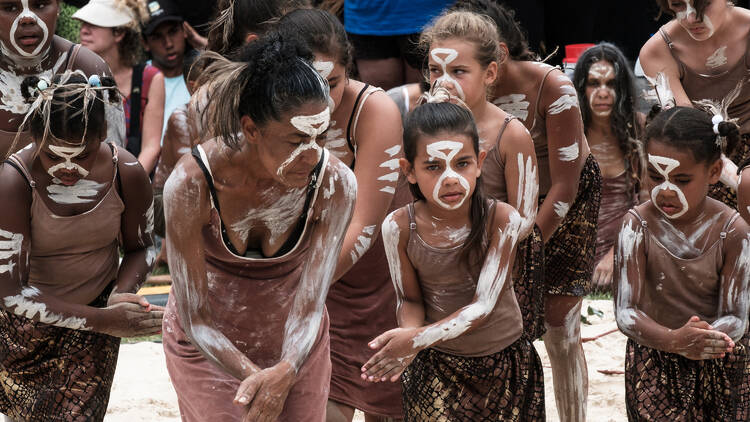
(715, 87)
(249, 300)
(618, 196)
(662, 386)
(490, 373)
(49, 373)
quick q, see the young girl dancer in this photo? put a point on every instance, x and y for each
(365, 134)
(606, 92)
(682, 266)
(459, 343)
(255, 222)
(704, 53)
(463, 52)
(70, 202)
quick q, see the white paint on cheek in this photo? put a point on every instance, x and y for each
(313, 126)
(561, 208)
(717, 59)
(565, 102)
(26, 13)
(569, 153)
(391, 164)
(449, 55)
(628, 243)
(81, 192)
(10, 246)
(514, 104)
(67, 153)
(435, 150)
(363, 244)
(665, 165)
(26, 307)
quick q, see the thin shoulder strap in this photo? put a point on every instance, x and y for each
(507, 120)
(200, 158)
(541, 89)
(17, 164)
(670, 45)
(70, 61)
(412, 219)
(116, 161)
(728, 224)
(354, 116)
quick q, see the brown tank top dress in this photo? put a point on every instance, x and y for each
(250, 300)
(618, 196)
(528, 270)
(698, 86)
(362, 305)
(666, 386)
(52, 373)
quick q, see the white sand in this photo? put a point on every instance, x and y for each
(142, 390)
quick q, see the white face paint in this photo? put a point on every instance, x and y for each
(81, 192)
(684, 15)
(392, 165)
(565, 102)
(569, 153)
(717, 59)
(67, 153)
(26, 13)
(449, 55)
(514, 104)
(324, 68)
(664, 166)
(561, 208)
(10, 246)
(435, 150)
(602, 72)
(313, 126)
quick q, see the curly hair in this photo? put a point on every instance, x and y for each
(321, 30)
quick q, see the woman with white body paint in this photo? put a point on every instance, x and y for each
(606, 92)
(71, 201)
(704, 54)
(546, 102)
(31, 48)
(459, 348)
(509, 172)
(682, 268)
(255, 223)
(743, 190)
(365, 134)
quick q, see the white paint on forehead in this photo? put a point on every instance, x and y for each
(561, 208)
(67, 153)
(664, 166)
(565, 102)
(601, 70)
(324, 68)
(26, 307)
(514, 104)
(26, 13)
(435, 150)
(10, 86)
(313, 126)
(449, 55)
(10, 246)
(717, 59)
(81, 192)
(569, 153)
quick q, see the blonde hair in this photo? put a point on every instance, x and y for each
(468, 26)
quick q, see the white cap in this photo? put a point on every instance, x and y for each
(105, 13)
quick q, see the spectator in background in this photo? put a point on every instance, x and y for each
(164, 37)
(385, 34)
(112, 32)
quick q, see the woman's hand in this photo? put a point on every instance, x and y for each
(396, 353)
(697, 340)
(129, 319)
(603, 272)
(264, 392)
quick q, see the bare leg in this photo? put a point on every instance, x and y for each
(338, 412)
(565, 351)
(383, 73)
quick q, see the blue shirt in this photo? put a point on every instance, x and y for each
(391, 17)
(175, 95)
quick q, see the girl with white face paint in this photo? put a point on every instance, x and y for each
(73, 202)
(606, 92)
(365, 134)
(29, 47)
(255, 222)
(456, 307)
(682, 268)
(702, 54)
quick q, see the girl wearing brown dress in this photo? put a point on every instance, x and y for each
(459, 348)
(743, 191)
(71, 201)
(255, 222)
(682, 267)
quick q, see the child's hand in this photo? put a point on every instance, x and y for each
(603, 272)
(396, 353)
(697, 340)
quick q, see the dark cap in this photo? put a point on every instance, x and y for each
(160, 11)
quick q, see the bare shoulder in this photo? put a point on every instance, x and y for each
(186, 181)
(655, 51)
(396, 225)
(379, 113)
(90, 63)
(338, 177)
(14, 189)
(517, 133)
(505, 215)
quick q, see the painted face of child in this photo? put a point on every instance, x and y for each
(335, 73)
(27, 27)
(677, 182)
(453, 65)
(699, 29)
(600, 88)
(67, 164)
(446, 169)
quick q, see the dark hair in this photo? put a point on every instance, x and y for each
(70, 108)
(699, 5)
(273, 76)
(433, 119)
(691, 129)
(190, 72)
(322, 32)
(130, 47)
(510, 31)
(238, 18)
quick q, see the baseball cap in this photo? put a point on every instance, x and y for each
(105, 13)
(160, 11)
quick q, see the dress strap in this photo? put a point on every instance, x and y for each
(17, 164)
(200, 157)
(70, 61)
(359, 103)
(412, 219)
(728, 224)
(643, 222)
(507, 120)
(541, 89)
(670, 45)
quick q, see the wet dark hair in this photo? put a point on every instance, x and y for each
(322, 32)
(190, 72)
(510, 31)
(432, 119)
(238, 18)
(699, 5)
(691, 129)
(273, 76)
(69, 109)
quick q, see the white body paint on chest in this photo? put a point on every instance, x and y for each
(435, 150)
(10, 246)
(569, 153)
(602, 72)
(628, 243)
(277, 214)
(565, 102)
(26, 307)
(664, 166)
(717, 59)
(363, 244)
(10, 86)
(678, 243)
(449, 55)
(450, 236)
(313, 126)
(67, 153)
(81, 192)
(514, 104)
(392, 165)
(26, 13)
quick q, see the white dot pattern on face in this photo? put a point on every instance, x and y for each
(664, 166)
(435, 150)
(68, 153)
(450, 55)
(311, 125)
(27, 13)
(601, 72)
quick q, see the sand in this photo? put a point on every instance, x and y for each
(142, 391)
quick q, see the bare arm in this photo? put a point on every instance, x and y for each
(655, 59)
(378, 137)
(153, 119)
(176, 143)
(743, 194)
(735, 276)
(521, 175)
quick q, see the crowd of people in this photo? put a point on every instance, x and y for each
(393, 244)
